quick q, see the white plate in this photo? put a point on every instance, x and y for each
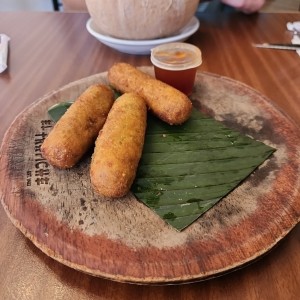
(142, 46)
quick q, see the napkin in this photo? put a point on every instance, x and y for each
(295, 27)
(296, 41)
(3, 51)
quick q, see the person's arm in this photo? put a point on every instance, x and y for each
(246, 6)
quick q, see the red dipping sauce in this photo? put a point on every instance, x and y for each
(176, 64)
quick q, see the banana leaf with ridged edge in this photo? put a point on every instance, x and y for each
(56, 111)
(185, 170)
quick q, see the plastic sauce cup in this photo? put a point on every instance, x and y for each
(176, 64)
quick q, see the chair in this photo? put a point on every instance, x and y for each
(56, 4)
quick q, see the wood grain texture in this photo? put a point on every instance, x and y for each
(281, 6)
(26, 273)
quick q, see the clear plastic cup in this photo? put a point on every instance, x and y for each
(176, 64)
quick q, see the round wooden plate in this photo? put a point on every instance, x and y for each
(123, 239)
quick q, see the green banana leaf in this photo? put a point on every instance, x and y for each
(187, 169)
(57, 110)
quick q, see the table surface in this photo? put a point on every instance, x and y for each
(49, 50)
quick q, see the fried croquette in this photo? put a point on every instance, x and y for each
(166, 102)
(119, 146)
(76, 131)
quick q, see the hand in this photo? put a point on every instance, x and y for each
(246, 6)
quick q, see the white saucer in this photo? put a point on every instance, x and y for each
(142, 46)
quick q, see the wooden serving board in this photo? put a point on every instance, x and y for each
(123, 239)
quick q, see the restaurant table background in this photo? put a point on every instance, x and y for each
(49, 50)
